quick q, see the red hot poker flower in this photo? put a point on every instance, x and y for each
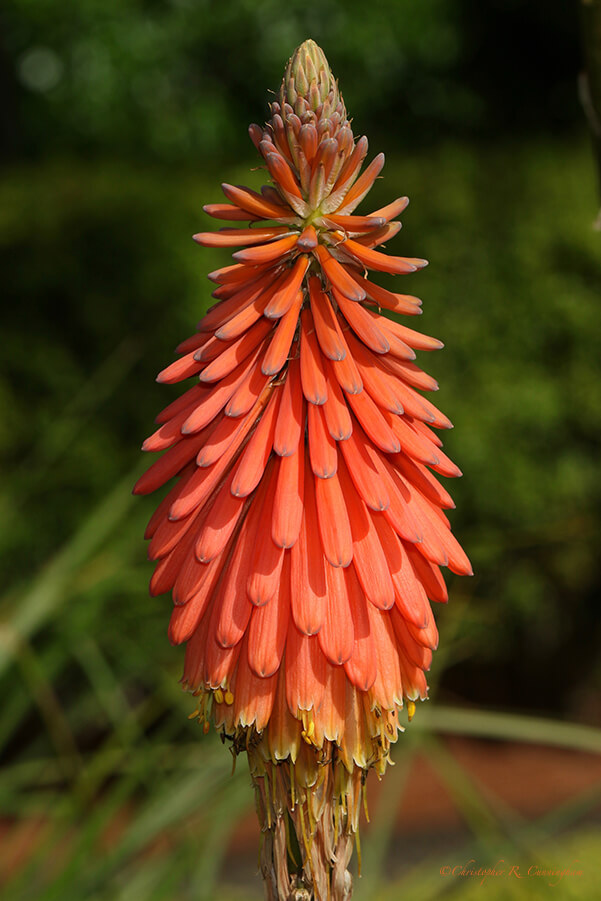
(303, 537)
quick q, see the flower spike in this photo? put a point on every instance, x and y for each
(303, 538)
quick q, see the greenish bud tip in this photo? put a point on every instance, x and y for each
(308, 76)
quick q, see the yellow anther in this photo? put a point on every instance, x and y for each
(218, 696)
(410, 710)
(229, 698)
(311, 728)
(206, 726)
(194, 714)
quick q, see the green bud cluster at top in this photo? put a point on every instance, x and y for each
(308, 83)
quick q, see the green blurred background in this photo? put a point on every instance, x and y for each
(120, 119)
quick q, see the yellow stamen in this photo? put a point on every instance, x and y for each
(410, 710)
(229, 698)
(343, 805)
(218, 696)
(306, 842)
(265, 795)
(309, 731)
(358, 847)
(364, 793)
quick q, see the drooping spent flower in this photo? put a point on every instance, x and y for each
(303, 537)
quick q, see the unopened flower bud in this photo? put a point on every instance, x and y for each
(309, 77)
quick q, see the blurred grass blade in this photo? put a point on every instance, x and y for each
(50, 589)
(509, 727)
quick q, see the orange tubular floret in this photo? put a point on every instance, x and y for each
(334, 525)
(291, 417)
(282, 174)
(335, 409)
(391, 210)
(267, 558)
(182, 369)
(397, 303)
(373, 259)
(307, 571)
(359, 320)
(304, 538)
(217, 530)
(305, 671)
(368, 558)
(361, 667)
(258, 450)
(289, 499)
(363, 185)
(234, 237)
(308, 239)
(312, 373)
(250, 388)
(374, 423)
(169, 433)
(352, 166)
(240, 323)
(380, 385)
(198, 392)
(232, 356)
(279, 347)
(326, 326)
(356, 224)
(337, 634)
(346, 372)
(172, 462)
(228, 211)
(281, 301)
(254, 203)
(322, 447)
(265, 253)
(269, 627)
(337, 275)
(240, 297)
(253, 696)
(359, 457)
(216, 397)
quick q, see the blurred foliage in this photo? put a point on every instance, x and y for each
(177, 79)
(120, 119)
